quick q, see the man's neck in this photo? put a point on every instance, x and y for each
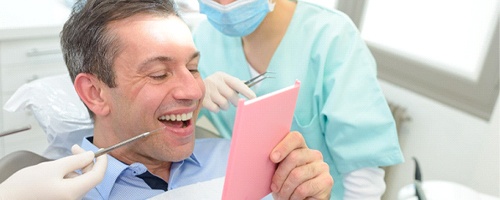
(156, 167)
(127, 155)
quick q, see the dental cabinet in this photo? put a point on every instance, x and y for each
(29, 49)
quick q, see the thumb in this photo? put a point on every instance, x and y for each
(92, 177)
(76, 149)
(74, 162)
(83, 183)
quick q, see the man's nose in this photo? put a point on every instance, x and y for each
(187, 86)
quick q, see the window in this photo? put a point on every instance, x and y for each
(446, 50)
(325, 3)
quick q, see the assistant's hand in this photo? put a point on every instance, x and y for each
(301, 172)
(221, 88)
(56, 179)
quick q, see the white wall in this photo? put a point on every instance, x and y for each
(450, 145)
(325, 3)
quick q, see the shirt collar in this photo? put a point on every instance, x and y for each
(192, 158)
(116, 167)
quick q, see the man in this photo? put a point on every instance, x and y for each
(134, 65)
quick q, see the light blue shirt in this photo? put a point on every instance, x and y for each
(208, 161)
(341, 109)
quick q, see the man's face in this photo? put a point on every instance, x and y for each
(157, 79)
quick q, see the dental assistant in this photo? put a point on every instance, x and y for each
(341, 110)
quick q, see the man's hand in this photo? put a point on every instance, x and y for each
(221, 88)
(301, 172)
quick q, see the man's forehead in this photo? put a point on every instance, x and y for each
(143, 27)
(153, 38)
(139, 19)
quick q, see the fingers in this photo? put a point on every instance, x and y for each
(308, 181)
(214, 101)
(210, 105)
(75, 149)
(85, 182)
(228, 91)
(222, 89)
(317, 188)
(298, 167)
(292, 141)
(92, 173)
(240, 87)
(95, 175)
(71, 163)
(223, 96)
(301, 171)
(288, 154)
(100, 164)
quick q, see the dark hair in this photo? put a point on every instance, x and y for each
(88, 46)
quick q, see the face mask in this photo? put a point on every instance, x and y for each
(238, 18)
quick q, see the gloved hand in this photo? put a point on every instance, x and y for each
(221, 88)
(56, 179)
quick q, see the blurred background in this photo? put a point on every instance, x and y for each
(438, 65)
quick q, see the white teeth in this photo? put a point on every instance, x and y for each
(178, 117)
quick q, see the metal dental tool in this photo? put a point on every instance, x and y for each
(257, 79)
(102, 151)
(17, 130)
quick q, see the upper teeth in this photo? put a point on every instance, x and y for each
(177, 117)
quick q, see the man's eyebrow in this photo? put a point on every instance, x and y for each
(195, 56)
(145, 65)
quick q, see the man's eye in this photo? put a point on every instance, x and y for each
(158, 77)
(194, 71)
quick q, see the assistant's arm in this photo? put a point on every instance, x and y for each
(364, 184)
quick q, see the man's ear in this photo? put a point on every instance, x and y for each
(92, 93)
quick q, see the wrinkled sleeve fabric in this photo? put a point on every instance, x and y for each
(358, 125)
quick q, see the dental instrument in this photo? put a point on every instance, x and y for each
(17, 130)
(257, 79)
(102, 151)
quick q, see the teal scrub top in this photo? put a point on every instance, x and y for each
(341, 109)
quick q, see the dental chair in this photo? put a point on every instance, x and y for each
(13, 162)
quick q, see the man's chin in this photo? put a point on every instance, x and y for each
(182, 152)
